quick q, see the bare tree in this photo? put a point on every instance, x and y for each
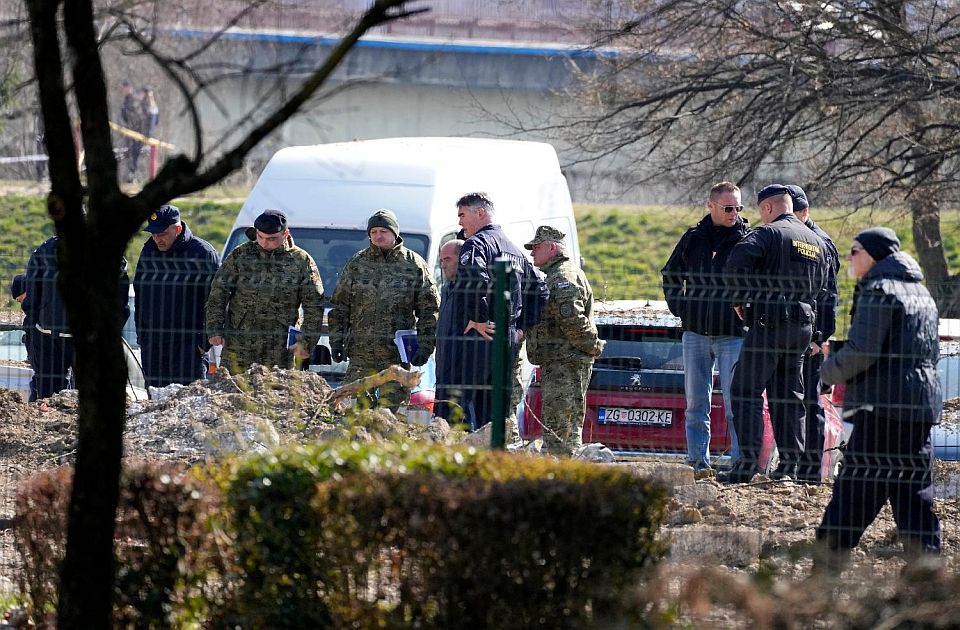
(94, 221)
(858, 100)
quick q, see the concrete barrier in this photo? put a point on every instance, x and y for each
(730, 546)
(670, 475)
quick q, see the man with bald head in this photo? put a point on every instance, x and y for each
(447, 397)
(774, 277)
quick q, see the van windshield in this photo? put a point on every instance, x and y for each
(332, 248)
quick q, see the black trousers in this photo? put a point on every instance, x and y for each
(50, 357)
(885, 459)
(171, 360)
(477, 387)
(771, 359)
(815, 419)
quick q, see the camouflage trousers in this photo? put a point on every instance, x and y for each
(512, 428)
(390, 395)
(564, 390)
(240, 352)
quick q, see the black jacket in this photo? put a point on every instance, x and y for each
(890, 359)
(43, 305)
(693, 282)
(171, 290)
(830, 298)
(528, 290)
(450, 325)
(778, 273)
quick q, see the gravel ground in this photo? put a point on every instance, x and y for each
(265, 408)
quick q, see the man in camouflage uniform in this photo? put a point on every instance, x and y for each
(382, 289)
(564, 344)
(257, 295)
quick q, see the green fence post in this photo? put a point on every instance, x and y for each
(501, 352)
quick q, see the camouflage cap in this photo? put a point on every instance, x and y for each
(546, 234)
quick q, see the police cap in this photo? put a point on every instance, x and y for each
(164, 217)
(799, 197)
(772, 191)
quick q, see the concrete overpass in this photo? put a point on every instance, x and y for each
(389, 85)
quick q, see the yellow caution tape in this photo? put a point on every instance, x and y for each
(136, 135)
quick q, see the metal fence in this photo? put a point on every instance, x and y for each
(639, 389)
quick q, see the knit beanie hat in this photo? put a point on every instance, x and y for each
(384, 218)
(879, 242)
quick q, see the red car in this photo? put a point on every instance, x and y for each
(636, 403)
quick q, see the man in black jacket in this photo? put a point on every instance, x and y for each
(893, 399)
(172, 283)
(712, 332)
(776, 276)
(809, 468)
(50, 349)
(484, 242)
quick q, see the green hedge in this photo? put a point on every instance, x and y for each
(163, 551)
(411, 535)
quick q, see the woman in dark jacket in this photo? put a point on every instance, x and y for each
(893, 398)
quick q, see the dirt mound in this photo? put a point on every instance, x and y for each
(250, 412)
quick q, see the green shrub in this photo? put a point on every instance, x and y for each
(40, 527)
(160, 550)
(414, 535)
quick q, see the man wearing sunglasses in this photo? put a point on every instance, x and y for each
(712, 332)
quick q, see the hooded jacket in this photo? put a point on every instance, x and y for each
(693, 282)
(889, 362)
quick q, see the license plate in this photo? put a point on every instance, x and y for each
(632, 415)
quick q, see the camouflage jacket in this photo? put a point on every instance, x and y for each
(566, 330)
(377, 294)
(258, 293)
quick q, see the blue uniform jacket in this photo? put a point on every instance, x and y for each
(43, 305)
(830, 298)
(171, 289)
(475, 276)
(780, 269)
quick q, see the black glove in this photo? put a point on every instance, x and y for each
(419, 358)
(337, 355)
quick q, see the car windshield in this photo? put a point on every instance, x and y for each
(332, 248)
(634, 347)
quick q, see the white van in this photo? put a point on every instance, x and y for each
(329, 191)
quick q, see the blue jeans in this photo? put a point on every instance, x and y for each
(700, 353)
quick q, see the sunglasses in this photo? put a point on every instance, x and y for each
(729, 209)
